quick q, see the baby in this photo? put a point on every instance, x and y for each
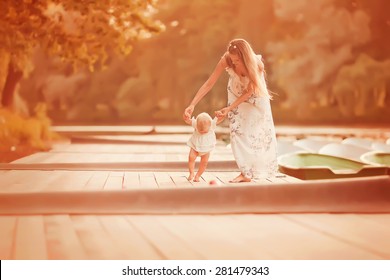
(202, 142)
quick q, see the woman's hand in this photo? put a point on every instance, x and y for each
(188, 112)
(222, 113)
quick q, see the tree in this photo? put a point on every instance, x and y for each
(81, 32)
(379, 24)
(357, 90)
(324, 38)
(197, 35)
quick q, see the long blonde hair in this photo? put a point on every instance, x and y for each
(253, 65)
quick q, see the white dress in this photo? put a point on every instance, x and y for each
(203, 143)
(252, 131)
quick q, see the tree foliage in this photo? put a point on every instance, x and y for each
(78, 31)
(328, 42)
(313, 52)
(305, 63)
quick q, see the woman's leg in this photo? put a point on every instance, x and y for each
(204, 159)
(191, 163)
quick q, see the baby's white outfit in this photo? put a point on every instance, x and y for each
(203, 143)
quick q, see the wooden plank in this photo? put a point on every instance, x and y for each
(274, 180)
(12, 177)
(215, 237)
(113, 182)
(70, 181)
(9, 177)
(265, 181)
(44, 181)
(30, 240)
(210, 176)
(97, 243)
(48, 180)
(147, 180)
(128, 239)
(97, 180)
(131, 180)
(288, 178)
(7, 233)
(62, 239)
(382, 219)
(167, 244)
(36, 157)
(180, 179)
(117, 174)
(164, 180)
(31, 181)
(101, 129)
(123, 149)
(352, 229)
(173, 157)
(225, 177)
(288, 239)
(201, 184)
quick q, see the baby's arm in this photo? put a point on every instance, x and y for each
(188, 121)
(220, 119)
(216, 121)
(191, 122)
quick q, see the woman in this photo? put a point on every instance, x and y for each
(252, 131)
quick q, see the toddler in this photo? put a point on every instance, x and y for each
(201, 143)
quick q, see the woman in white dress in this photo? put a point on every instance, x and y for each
(252, 131)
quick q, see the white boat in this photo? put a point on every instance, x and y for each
(312, 145)
(359, 142)
(381, 147)
(347, 151)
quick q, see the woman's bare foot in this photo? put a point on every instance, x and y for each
(190, 177)
(240, 178)
(196, 179)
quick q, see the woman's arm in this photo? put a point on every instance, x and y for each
(244, 97)
(206, 87)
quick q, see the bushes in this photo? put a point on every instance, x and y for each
(33, 132)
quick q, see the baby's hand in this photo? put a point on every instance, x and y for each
(222, 113)
(187, 119)
(220, 118)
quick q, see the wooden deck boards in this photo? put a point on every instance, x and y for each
(93, 234)
(193, 237)
(352, 229)
(63, 180)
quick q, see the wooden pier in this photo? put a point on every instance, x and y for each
(127, 197)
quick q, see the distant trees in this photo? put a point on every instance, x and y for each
(325, 59)
(361, 86)
(172, 66)
(327, 56)
(80, 32)
(306, 61)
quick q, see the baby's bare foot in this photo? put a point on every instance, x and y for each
(196, 179)
(190, 177)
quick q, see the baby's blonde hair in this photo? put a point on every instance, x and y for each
(203, 122)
